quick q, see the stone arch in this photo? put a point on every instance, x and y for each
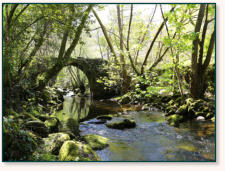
(93, 69)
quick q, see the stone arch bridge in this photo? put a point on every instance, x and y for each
(94, 69)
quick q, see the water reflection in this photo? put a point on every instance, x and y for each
(74, 109)
(152, 139)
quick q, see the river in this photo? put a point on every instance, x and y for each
(151, 140)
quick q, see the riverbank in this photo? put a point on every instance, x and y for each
(48, 128)
(177, 108)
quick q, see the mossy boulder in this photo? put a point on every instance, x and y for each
(175, 119)
(54, 141)
(96, 142)
(53, 124)
(123, 124)
(76, 151)
(37, 127)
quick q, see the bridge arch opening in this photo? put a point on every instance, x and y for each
(73, 79)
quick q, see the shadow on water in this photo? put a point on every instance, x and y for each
(152, 139)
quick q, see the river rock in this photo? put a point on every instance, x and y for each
(76, 151)
(37, 127)
(54, 141)
(96, 142)
(97, 122)
(104, 117)
(123, 124)
(200, 118)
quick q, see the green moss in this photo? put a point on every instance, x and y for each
(96, 142)
(30, 116)
(209, 115)
(123, 124)
(10, 112)
(171, 102)
(182, 109)
(189, 101)
(54, 141)
(52, 123)
(18, 144)
(205, 109)
(174, 119)
(37, 127)
(76, 151)
(199, 113)
(187, 147)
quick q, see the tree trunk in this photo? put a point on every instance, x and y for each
(198, 81)
(63, 61)
(125, 81)
(197, 75)
(108, 40)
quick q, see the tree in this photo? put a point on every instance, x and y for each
(64, 55)
(198, 65)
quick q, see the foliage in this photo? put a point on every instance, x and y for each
(18, 144)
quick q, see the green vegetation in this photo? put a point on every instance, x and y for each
(151, 56)
(96, 142)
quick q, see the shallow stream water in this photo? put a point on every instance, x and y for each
(151, 140)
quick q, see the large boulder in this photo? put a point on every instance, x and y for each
(123, 124)
(54, 141)
(37, 127)
(76, 151)
(96, 142)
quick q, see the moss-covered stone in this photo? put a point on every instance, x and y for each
(37, 127)
(96, 142)
(200, 114)
(182, 110)
(54, 141)
(76, 151)
(174, 119)
(123, 124)
(53, 124)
